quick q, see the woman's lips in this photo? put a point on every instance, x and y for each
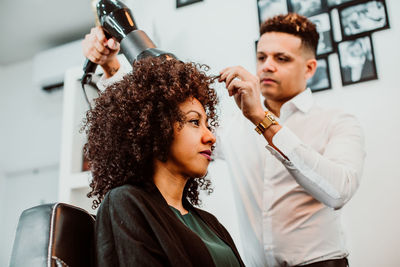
(207, 154)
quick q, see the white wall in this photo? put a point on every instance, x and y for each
(3, 245)
(222, 33)
(30, 122)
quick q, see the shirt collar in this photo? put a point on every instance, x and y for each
(302, 101)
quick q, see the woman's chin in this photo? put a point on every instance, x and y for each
(200, 173)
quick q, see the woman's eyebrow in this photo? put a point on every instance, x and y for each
(198, 113)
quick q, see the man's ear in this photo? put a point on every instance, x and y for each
(311, 66)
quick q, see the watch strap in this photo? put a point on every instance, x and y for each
(268, 120)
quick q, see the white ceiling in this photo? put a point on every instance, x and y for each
(31, 26)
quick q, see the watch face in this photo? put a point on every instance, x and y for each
(268, 120)
(271, 117)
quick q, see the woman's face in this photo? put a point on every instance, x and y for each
(190, 151)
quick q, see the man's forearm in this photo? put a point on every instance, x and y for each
(111, 67)
(331, 177)
(269, 132)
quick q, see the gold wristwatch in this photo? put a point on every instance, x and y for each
(268, 120)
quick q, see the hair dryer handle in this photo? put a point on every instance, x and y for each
(89, 67)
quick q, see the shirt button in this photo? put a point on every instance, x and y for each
(268, 247)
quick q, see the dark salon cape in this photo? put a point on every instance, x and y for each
(136, 227)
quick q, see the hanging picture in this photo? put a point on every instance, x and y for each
(181, 3)
(325, 43)
(336, 3)
(365, 17)
(269, 8)
(321, 79)
(357, 60)
(307, 7)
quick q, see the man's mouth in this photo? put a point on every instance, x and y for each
(268, 81)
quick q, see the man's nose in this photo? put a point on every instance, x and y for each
(268, 65)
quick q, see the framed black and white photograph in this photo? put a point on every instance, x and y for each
(336, 3)
(321, 80)
(306, 7)
(181, 3)
(269, 8)
(366, 17)
(324, 28)
(357, 60)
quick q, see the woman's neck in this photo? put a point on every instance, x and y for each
(170, 185)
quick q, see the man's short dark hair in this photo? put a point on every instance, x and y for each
(295, 24)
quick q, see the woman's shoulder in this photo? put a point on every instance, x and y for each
(125, 194)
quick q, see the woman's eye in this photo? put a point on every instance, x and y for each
(195, 122)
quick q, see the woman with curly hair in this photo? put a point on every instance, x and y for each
(149, 145)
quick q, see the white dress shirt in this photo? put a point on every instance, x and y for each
(289, 209)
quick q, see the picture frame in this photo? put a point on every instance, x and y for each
(337, 3)
(326, 44)
(363, 18)
(182, 3)
(270, 8)
(321, 80)
(357, 60)
(307, 8)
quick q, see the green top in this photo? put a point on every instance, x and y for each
(221, 253)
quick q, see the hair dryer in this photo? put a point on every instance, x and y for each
(117, 21)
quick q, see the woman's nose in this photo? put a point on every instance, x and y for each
(208, 137)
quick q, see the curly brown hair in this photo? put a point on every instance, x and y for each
(294, 24)
(132, 122)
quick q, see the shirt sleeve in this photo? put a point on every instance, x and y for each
(333, 176)
(104, 82)
(122, 235)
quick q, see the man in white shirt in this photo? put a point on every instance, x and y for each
(301, 165)
(303, 162)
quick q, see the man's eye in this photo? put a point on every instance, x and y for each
(260, 58)
(285, 59)
(195, 122)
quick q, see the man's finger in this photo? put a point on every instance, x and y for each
(112, 44)
(101, 48)
(98, 32)
(234, 86)
(96, 55)
(231, 76)
(222, 76)
(92, 58)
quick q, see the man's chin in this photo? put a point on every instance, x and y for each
(269, 93)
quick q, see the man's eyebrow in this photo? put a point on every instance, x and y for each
(282, 54)
(275, 53)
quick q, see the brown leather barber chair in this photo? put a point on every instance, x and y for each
(54, 235)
